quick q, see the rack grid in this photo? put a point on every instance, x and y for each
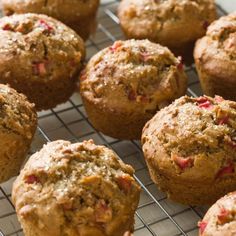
(156, 215)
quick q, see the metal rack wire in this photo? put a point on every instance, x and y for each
(156, 215)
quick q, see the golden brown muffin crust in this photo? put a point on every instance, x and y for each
(192, 142)
(131, 80)
(76, 189)
(38, 56)
(216, 52)
(80, 15)
(171, 22)
(220, 219)
(18, 121)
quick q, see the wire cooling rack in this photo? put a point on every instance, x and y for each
(156, 215)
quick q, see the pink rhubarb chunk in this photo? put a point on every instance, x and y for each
(223, 216)
(103, 213)
(31, 179)
(46, 26)
(229, 169)
(124, 183)
(115, 46)
(202, 226)
(182, 162)
(204, 103)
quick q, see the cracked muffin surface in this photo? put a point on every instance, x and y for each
(173, 23)
(189, 147)
(18, 121)
(220, 219)
(78, 14)
(40, 56)
(125, 84)
(76, 189)
(215, 58)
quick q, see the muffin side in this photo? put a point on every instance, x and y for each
(220, 218)
(18, 122)
(82, 184)
(123, 85)
(73, 13)
(189, 147)
(39, 57)
(167, 22)
(215, 58)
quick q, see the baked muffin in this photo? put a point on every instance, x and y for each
(18, 122)
(189, 148)
(80, 15)
(124, 85)
(40, 57)
(215, 58)
(173, 23)
(75, 189)
(220, 220)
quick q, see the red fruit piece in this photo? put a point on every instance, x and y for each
(182, 162)
(204, 103)
(224, 216)
(202, 226)
(115, 46)
(124, 183)
(45, 25)
(229, 169)
(219, 99)
(31, 179)
(180, 65)
(7, 27)
(223, 120)
(103, 213)
(39, 68)
(205, 25)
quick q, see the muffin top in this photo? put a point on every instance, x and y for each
(133, 76)
(17, 114)
(217, 50)
(170, 22)
(66, 11)
(220, 218)
(65, 188)
(197, 137)
(37, 47)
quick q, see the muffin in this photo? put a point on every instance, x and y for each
(124, 85)
(215, 58)
(40, 57)
(172, 23)
(75, 189)
(80, 15)
(220, 219)
(189, 148)
(18, 122)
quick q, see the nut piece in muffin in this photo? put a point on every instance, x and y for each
(80, 15)
(124, 85)
(18, 122)
(40, 57)
(190, 149)
(220, 219)
(75, 189)
(172, 23)
(215, 58)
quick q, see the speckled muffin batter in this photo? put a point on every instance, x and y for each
(220, 220)
(40, 57)
(189, 148)
(124, 85)
(80, 15)
(18, 121)
(215, 58)
(173, 23)
(75, 189)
